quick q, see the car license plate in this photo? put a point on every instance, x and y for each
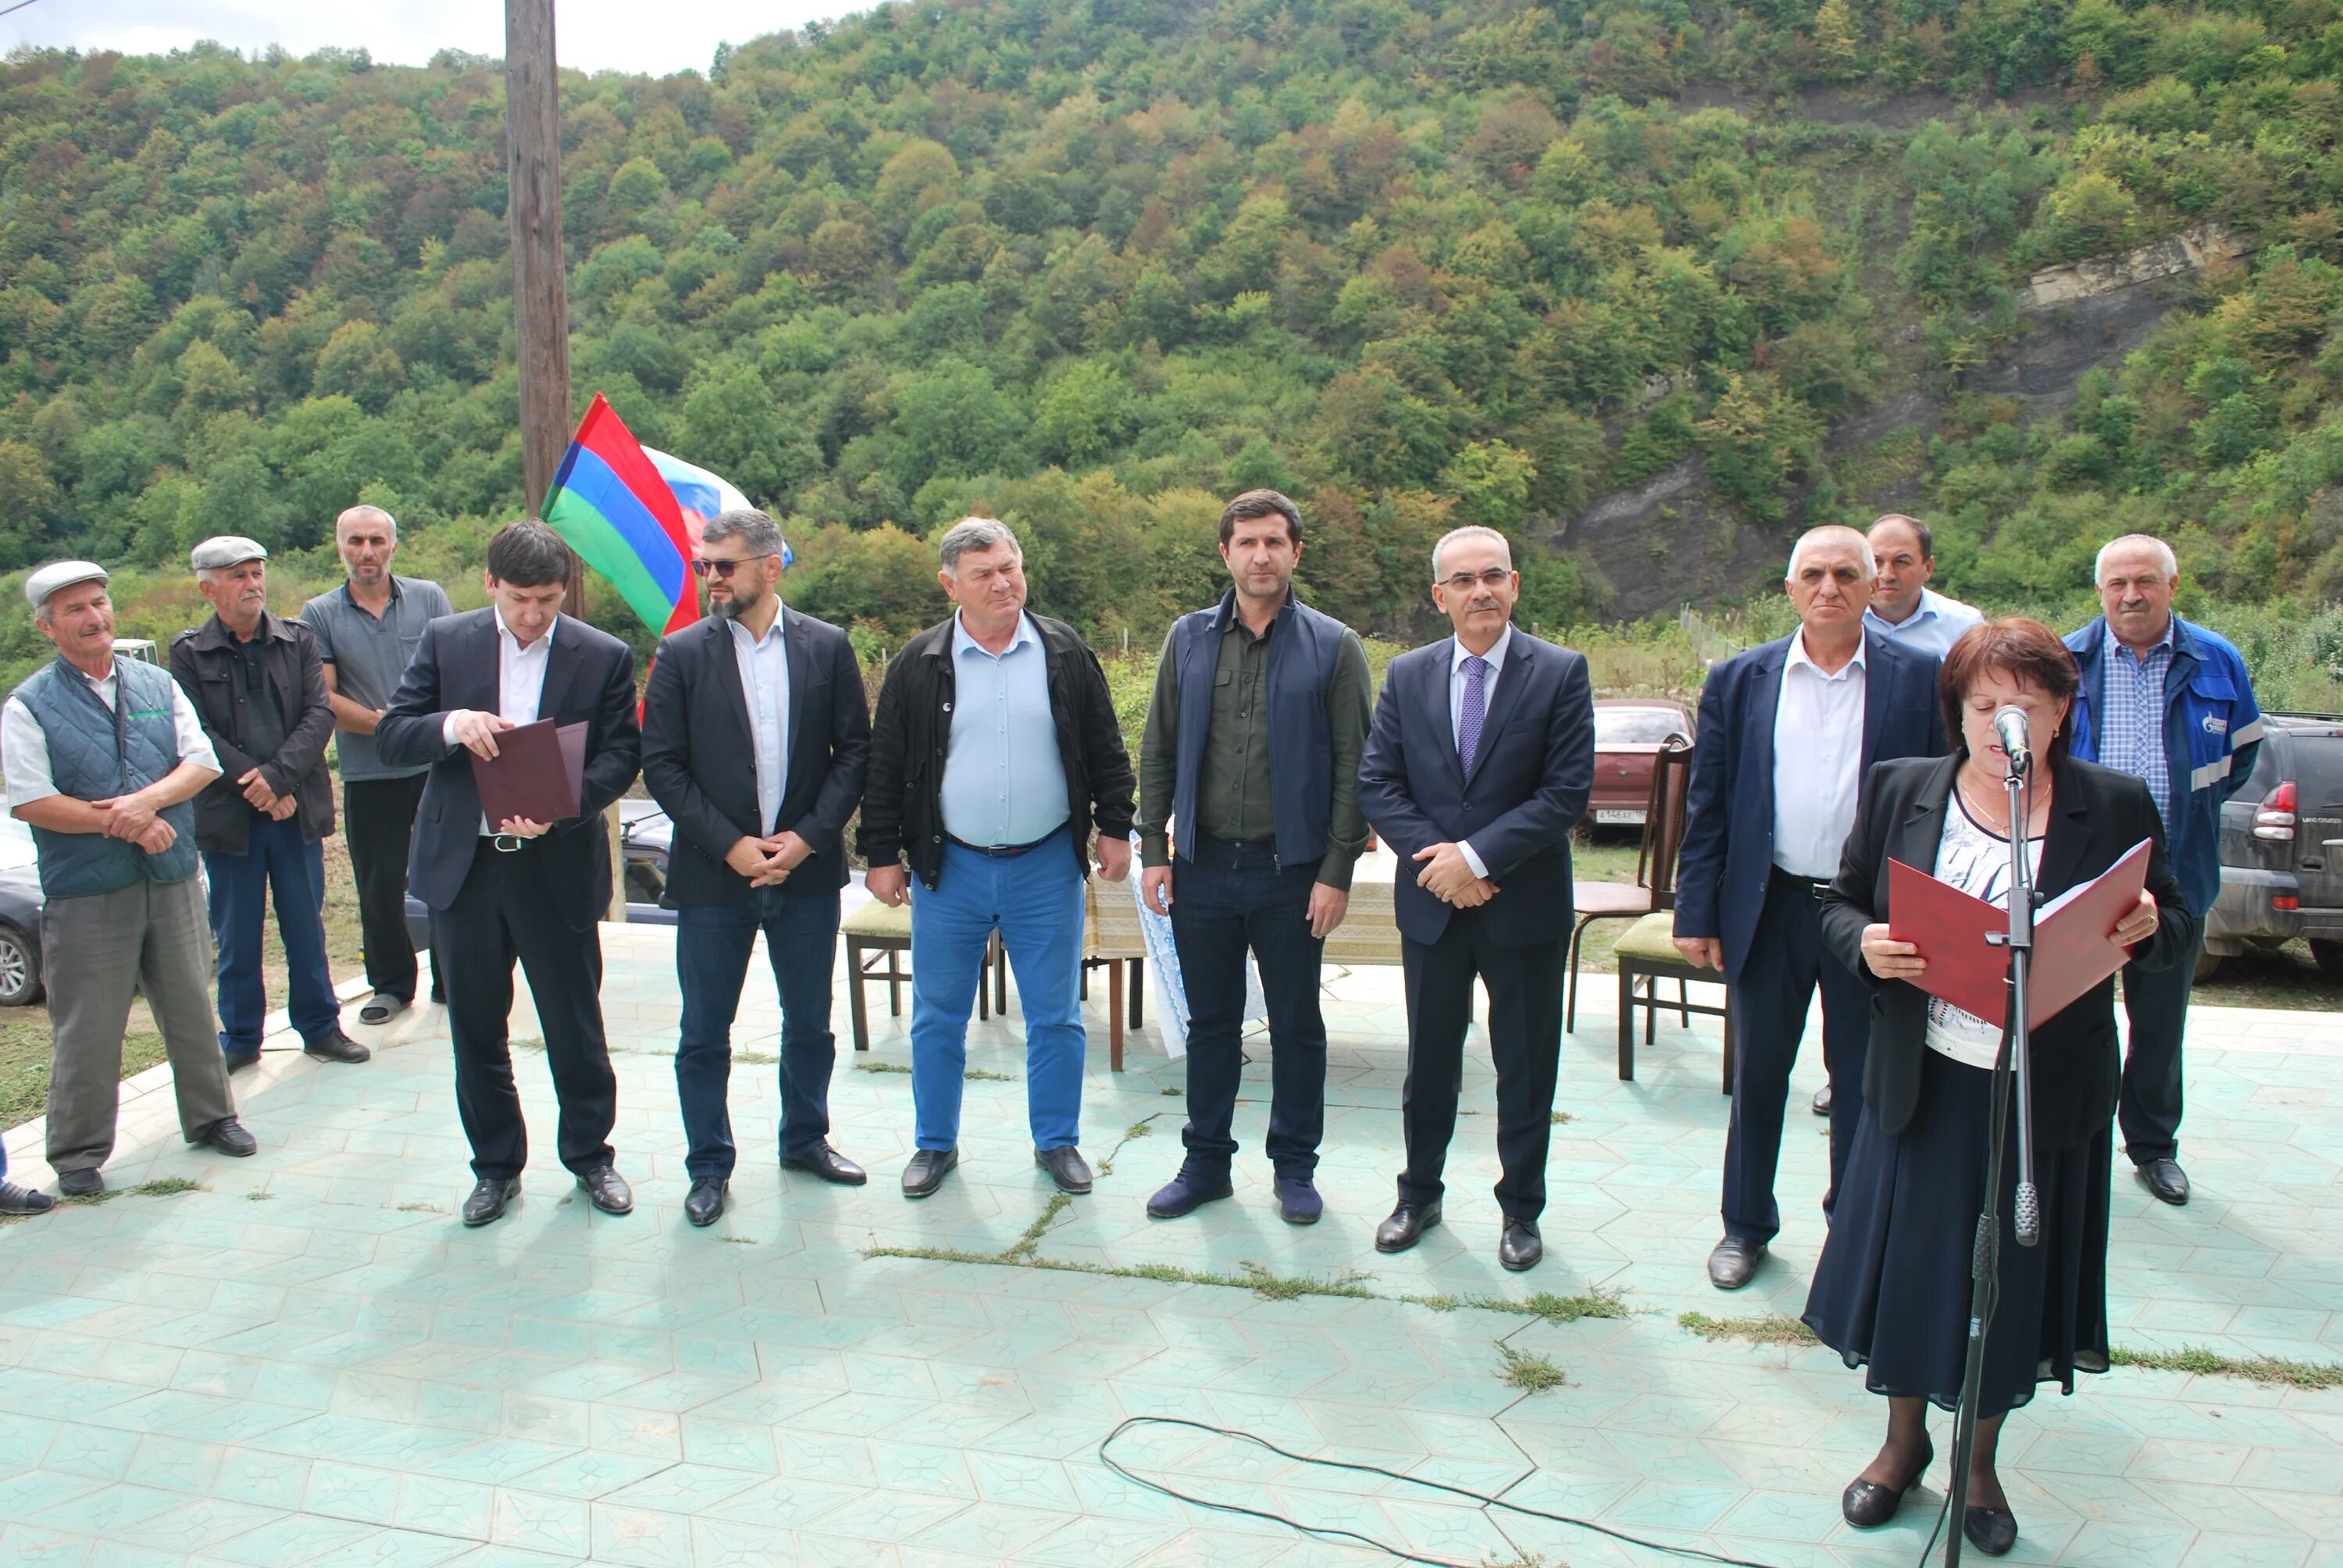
(1622, 815)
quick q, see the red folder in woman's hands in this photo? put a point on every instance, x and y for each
(2074, 945)
(538, 773)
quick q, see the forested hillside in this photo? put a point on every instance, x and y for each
(1093, 266)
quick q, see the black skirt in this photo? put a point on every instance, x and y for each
(1891, 1293)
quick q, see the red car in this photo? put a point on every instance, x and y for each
(1628, 732)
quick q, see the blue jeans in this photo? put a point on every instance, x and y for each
(1035, 900)
(1230, 898)
(276, 861)
(713, 944)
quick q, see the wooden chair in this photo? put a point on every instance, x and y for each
(1647, 955)
(1112, 937)
(1655, 886)
(880, 932)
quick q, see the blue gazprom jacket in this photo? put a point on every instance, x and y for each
(2211, 731)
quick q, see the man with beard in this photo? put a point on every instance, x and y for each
(366, 630)
(755, 730)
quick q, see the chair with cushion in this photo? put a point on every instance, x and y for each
(1655, 886)
(879, 931)
(1647, 955)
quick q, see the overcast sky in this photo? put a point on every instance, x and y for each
(655, 35)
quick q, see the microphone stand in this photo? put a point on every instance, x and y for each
(2011, 1073)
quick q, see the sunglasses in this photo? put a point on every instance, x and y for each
(722, 567)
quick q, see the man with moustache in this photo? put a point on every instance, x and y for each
(103, 757)
(1479, 763)
(2171, 703)
(755, 731)
(1252, 755)
(259, 686)
(1787, 731)
(1903, 605)
(994, 748)
(366, 630)
(517, 888)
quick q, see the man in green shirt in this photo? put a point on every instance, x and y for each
(1248, 826)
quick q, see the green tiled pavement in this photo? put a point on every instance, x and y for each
(310, 1362)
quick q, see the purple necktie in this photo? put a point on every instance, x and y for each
(1476, 709)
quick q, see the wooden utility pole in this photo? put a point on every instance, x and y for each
(541, 290)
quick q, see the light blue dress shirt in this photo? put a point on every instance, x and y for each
(1935, 624)
(1004, 782)
(2131, 731)
(764, 664)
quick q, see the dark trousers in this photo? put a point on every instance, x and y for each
(278, 865)
(2156, 1005)
(379, 824)
(1786, 961)
(1232, 898)
(1525, 988)
(502, 912)
(713, 944)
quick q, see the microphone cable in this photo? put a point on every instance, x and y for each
(1337, 1533)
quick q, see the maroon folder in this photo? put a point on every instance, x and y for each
(2074, 949)
(539, 773)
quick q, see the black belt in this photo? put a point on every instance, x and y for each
(1007, 851)
(1807, 885)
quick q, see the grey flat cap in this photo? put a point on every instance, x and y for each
(56, 575)
(226, 551)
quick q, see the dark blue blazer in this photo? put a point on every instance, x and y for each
(1727, 855)
(1529, 789)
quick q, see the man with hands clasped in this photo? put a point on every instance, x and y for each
(517, 889)
(1478, 766)
(755, 732)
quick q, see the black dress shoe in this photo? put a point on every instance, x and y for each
(489, 1200)
(337, 1047)
(2165, 1180)
(1733, 1263)
(238, 1060)
(1992, 1530)
(1406, 1226)
(607, 1190)
(1066, 1167)
(1822, 1100)
(1867, 1505)
(828, 1164)
(1520, 1248)
(86, 1183)
(927, 1170)
(704, 1204)
(229, 1136)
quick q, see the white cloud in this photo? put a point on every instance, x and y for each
(660, 36)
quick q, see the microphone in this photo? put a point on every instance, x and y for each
(2015, 732)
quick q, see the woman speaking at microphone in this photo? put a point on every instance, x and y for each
(1891, 1294)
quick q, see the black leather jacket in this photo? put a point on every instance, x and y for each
(206, 664)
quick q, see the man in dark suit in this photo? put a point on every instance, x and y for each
(1479, 764)
(518, 889)
(755, 731)
(1787, 732)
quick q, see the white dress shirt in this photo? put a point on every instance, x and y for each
(1458, 654)
(1935, 624)
(764, 666)
(520, 686)
(1818, 761)
(25, 745)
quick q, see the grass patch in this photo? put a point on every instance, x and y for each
(985, 1075)
(1137, 1129)
(754, 1059)
(1271, 1287)
(738, 1241)
(259, 1197)
(24, 1060)
(1773, 1329)
(1546, 1304)
(1021, 1248)
(1529, 1373)
(2253, 1369)
(1559, 1117)
(880, 1066)
(166, 1187)
(981, 1074)
(1173, 1091)
(420, 1209)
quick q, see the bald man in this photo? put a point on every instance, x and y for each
(1787, 731)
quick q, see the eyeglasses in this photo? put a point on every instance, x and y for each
(1464, 582)
(722, 568)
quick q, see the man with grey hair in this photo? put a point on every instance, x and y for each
(366, 630)
(755, 731)
(994, 749)
(259, 686)
(1787, 732)
(103, 757)
(2171, 703)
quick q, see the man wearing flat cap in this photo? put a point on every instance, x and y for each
(259, 686)
(102, 757)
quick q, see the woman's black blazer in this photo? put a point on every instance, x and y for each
(2097, 815)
